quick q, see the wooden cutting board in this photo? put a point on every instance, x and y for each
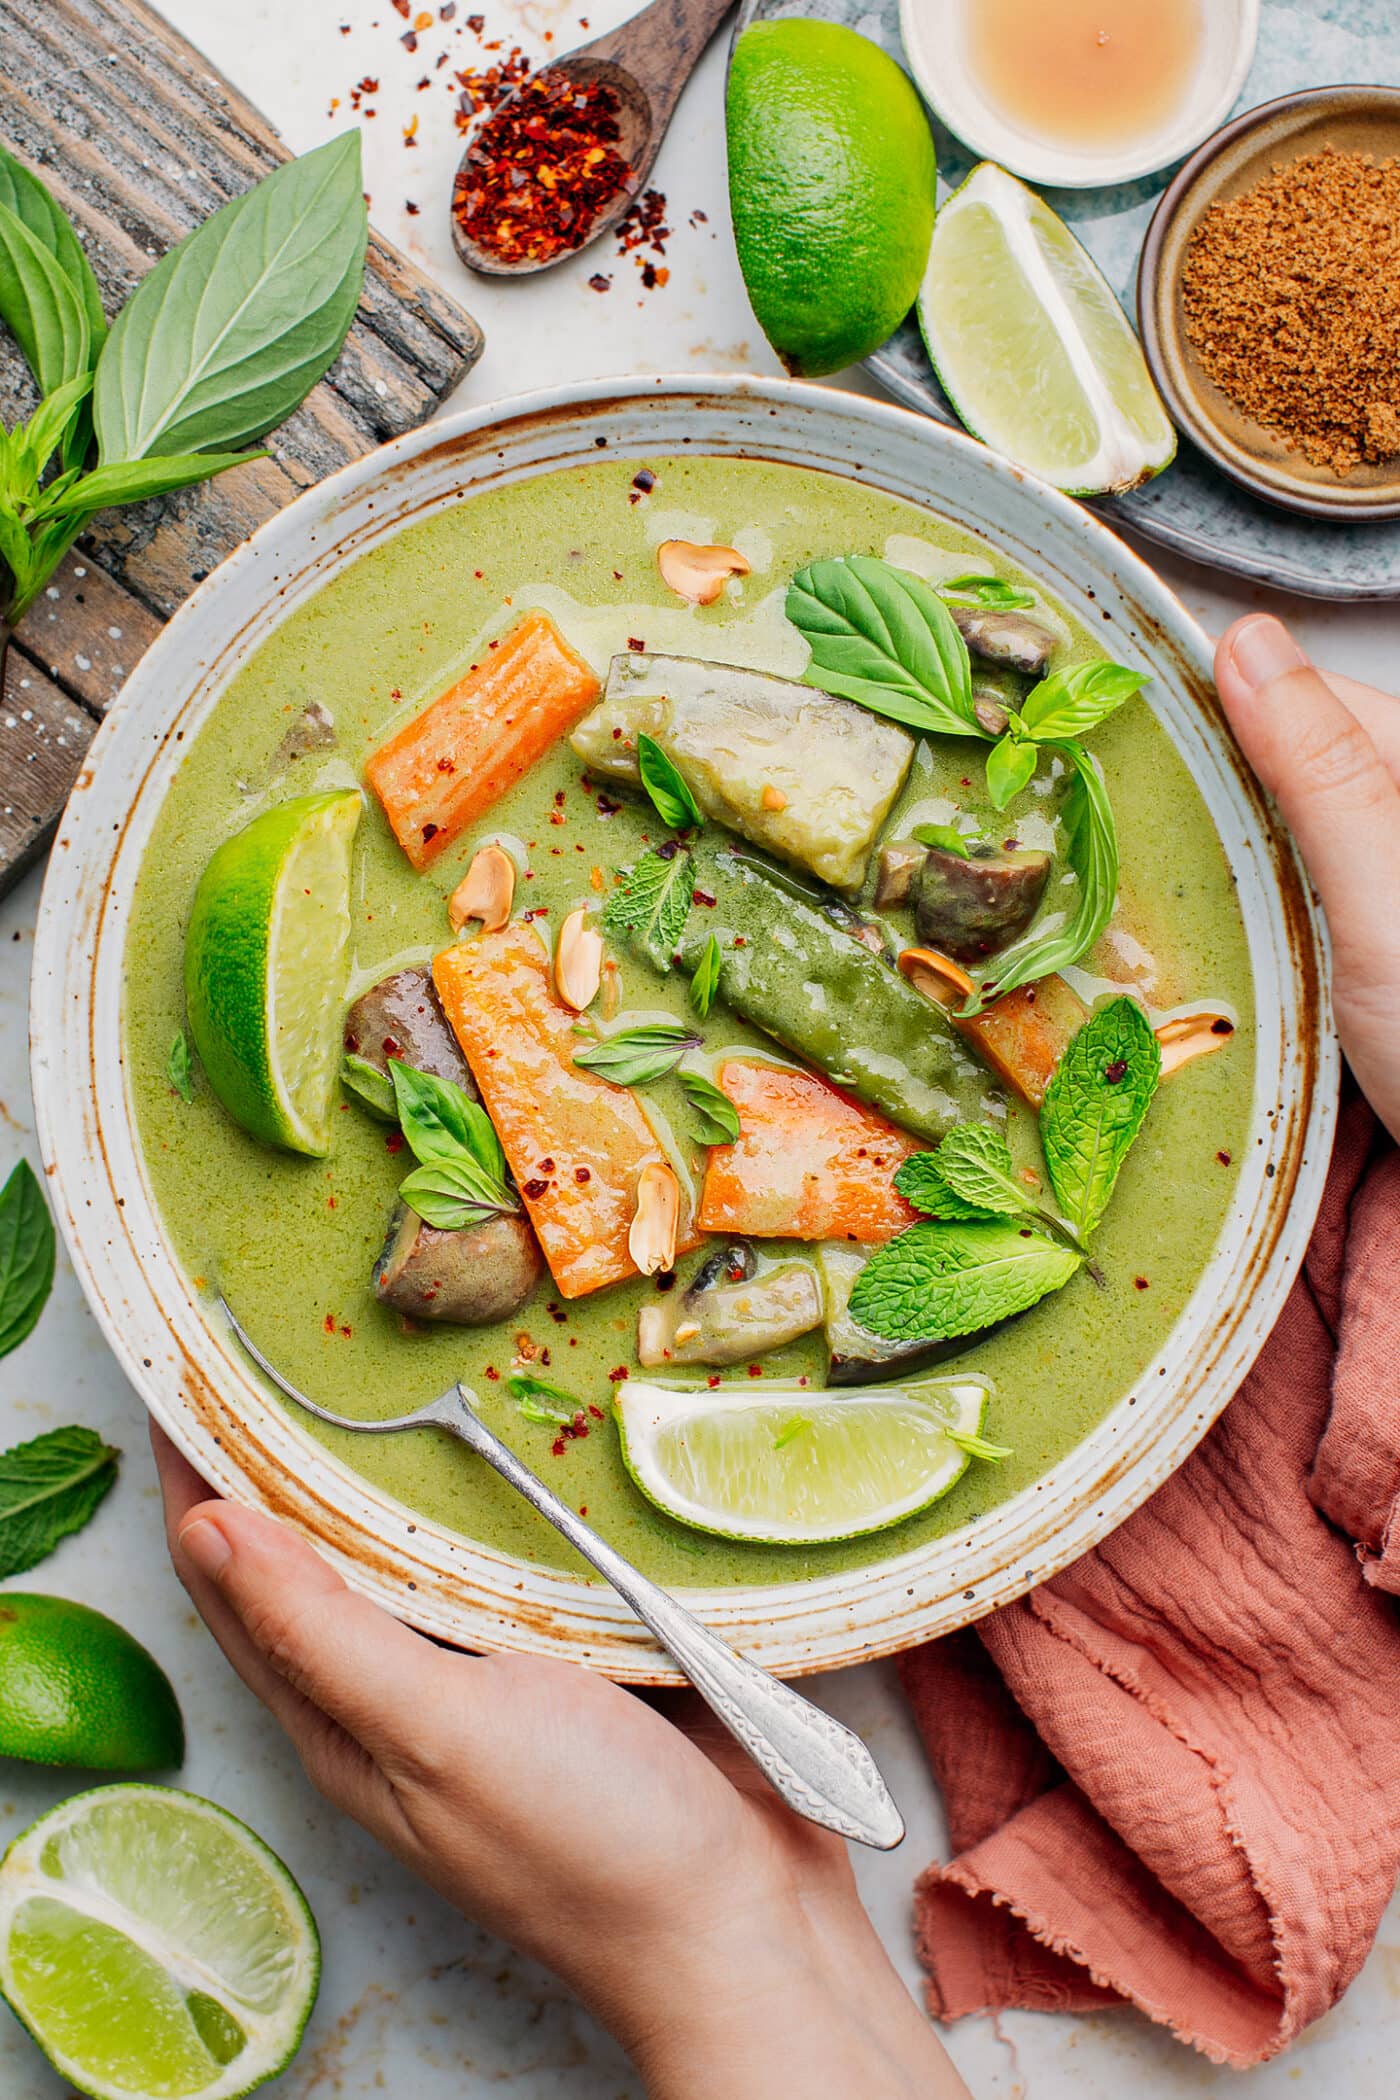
(139, 139)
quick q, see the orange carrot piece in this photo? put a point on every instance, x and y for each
(576, 1145)
(810, 1163)
(446, 767)
(1024, 1036)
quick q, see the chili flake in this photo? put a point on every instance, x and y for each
(538, 173)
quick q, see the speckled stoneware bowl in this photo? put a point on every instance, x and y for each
(1350, 119)
(174, 1348)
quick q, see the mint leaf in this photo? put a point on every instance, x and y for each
(976, 1164)
(650, 907)
(946, 837)
(946, 1278)
(1095, 1105)
(1011, 767)
(49, 1488)
(705, 983)
(987, 593)
(670, 795)
(177, 1068)
(885, 639)
(719, 1118)
(26, 1256)
(1069, 702)
(372, 1088)
(920, 1181)
(638, 1056)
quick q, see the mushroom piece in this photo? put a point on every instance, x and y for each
(971, 908)
(900, 862)
(730, 1312)
(1188, 1036)
(486, 891)
(472, 1278)
(698, 574)
(401, 1017)
(937, 976)
(1007, 639)
(651, 1238)
(578, 962)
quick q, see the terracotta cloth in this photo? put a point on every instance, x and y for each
(1172, 1774)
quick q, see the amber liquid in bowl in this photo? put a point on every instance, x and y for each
(1085, 72)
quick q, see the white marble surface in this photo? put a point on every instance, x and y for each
(414, 2000)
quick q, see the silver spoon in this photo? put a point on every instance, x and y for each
(818, 1767)
(645, 64)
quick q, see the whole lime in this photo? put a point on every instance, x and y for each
(831, 186)
(75, 1689)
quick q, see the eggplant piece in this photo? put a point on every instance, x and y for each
(1010, 640)
(900, 862)
(402, 1017)
(971, 908)
(807, 776)
(731, 1312)
(470, 1278)
(856, 1356)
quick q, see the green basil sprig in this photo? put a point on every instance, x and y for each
(542, 1402)
(1062, 706)
(987, 593)
(638, 1056)
(461, 1176)
(946, 837)
(719, 1118)
(373, 1089)
(49, 1488)
(1091, 850)
(885, 639)
(218, 344)
(705, 983)
(667, 786)
(27, 1254)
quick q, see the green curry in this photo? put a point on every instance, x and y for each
(292, 1241)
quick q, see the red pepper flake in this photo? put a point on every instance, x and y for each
(447, 11)
(347, 1332)
(394, 1141)
(606, 807)
(1224, 1158)
(583, 1509)
(702, 897)
(535, 1189)
(636, 644)
(643, 481)
(582, 1175)
(557, 1447)
(1116, 1072)
(411, 208)
(617, 1374)
(476, 23)
(430, 831)
(492, 1373)
(699, 218)
(712, 1382)
(401, 7)
(1139, 1283)
(643, 224)
(596, 1412)
(330, 1323)
(599, 283)
(538, 173)
(1220, 1026)
(755, 1370)
(409, 41)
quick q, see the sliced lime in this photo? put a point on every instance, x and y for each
(266, 957)
(796, 1467)
(1032, 348)
(154, 1947)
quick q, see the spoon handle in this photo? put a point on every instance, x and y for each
(819, 1768)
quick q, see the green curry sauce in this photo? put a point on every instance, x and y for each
(291, 1241)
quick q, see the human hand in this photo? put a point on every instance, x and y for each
(1328, 751)
(718, 1935)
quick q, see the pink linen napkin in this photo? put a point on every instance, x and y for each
(1172, 1774)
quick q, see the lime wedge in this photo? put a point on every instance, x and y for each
(154, 1947)
(788, 1466)
(266, 958)
(1032, 348)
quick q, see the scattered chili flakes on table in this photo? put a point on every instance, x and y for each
(1292, 303)
(540, 170)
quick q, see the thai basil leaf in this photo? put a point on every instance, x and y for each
(372, 1088)
(650, 907)
(946, 1278)
(234, 326)
(1068, 702)
(36, 441)
(26, 1255)
(28, 198)
(705, 983)
(178, 1069)
(946, 837)
(133, 480)
(541, 1402)
(1094, 1107)
(440, 1122)
(671, 797)
(49, 1488)
(39, 306)
(719, 1118)
(1011, 767)
(638, 1056)
(978, 1446)
(455, 1193)
(987, 593)
(1091, 849)
(884, 638)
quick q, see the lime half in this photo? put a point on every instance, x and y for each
(1031, 346)
(154, 1947)
(793, 1467)
(266, 958)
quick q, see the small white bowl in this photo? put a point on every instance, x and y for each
(936, 45)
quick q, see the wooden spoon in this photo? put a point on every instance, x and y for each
(646, 63)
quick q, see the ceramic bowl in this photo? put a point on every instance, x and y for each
(177, 1353)
(935, 38)
(1363, 119)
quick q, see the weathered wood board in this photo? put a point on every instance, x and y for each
(139, 139)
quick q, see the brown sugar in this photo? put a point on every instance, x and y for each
(1292, 302)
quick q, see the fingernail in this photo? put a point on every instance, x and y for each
(205, 1545)
(1262, 648)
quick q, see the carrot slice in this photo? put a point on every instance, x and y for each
(1024, 1036)
(576, 1145)
(810, 1164)
(446, 767)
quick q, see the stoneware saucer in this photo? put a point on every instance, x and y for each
(1355, 119)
